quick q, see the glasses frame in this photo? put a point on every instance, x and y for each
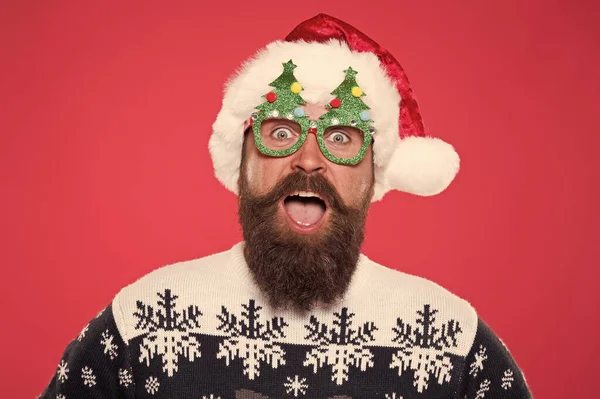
(316, 127)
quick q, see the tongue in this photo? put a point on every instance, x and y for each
(305, 213)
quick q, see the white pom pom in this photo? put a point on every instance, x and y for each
(422, 165)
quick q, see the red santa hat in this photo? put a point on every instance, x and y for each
(405, 158)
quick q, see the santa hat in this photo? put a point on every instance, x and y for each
(405, 158)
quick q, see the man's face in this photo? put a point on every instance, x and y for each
(352, 183)
(302, 249)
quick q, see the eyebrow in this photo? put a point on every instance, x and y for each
(345, 128)
(276, 122)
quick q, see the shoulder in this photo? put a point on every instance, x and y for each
(398, 288)
(422, 307)
(191, 281)
(409, 300)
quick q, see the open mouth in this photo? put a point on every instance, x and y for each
(305, 210)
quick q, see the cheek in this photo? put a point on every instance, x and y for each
(254, 175)
(353, 185)
(263, 173)
(363, 188)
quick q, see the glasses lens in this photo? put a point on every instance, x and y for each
(343, 141)
(280, 134)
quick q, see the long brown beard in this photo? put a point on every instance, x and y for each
(294, 270)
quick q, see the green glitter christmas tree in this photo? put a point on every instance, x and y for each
(284, 100)
(347, 109)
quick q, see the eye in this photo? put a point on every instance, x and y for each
(282, 133)
(338, 137)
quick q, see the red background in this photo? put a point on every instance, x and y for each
(106, 111)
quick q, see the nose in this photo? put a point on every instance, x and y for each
(309, 157)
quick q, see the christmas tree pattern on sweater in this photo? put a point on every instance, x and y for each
(167, 343)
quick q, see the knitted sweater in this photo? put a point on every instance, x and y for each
(202, 329)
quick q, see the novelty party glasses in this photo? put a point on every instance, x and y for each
(281, 126)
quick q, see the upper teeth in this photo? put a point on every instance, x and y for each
(305, 194)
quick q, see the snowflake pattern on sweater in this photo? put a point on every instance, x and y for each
(250, 340)
(161, 339)
(340, 346)
(423, 348)
(169, 332)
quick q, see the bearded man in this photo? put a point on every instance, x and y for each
(296, 310)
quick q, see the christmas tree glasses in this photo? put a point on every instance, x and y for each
(281, 125)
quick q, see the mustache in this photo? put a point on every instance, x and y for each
(301, 181)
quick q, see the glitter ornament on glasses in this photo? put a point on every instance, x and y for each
(347, 109)
(343, 133)
(284, 99)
